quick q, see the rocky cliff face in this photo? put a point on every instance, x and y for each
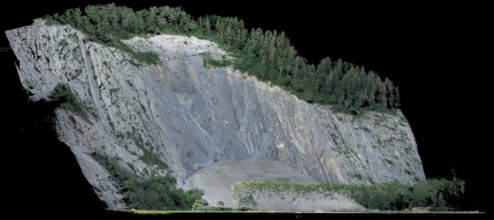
(186, 115)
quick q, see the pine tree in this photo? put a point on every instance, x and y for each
(396, 101)
(325, 65)
(204, 25)
(390, 91)
(371, 90)
(381, 94)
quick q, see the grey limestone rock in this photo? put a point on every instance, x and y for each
(189, 116)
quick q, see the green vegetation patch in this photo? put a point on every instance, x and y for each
(213, 62)
(154, 192)
(440, 194)
(268, 55)
(69, 100)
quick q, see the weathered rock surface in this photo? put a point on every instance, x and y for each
(189, 116)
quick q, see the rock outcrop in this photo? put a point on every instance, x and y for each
(187, 116)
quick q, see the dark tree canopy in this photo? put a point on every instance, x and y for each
(268, 55)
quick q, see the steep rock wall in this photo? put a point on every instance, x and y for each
(189, 116)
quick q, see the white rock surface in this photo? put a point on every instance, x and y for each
(190, 116)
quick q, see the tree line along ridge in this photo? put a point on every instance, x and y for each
(268, 55)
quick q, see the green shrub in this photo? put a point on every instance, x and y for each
(69, 100)
(199, 204)
(62, 93)
(247, 201)
(212, 62)
(145, 57)
(440, 194)
(202, 205)
(388, 196)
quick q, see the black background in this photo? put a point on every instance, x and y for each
(434, 53)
